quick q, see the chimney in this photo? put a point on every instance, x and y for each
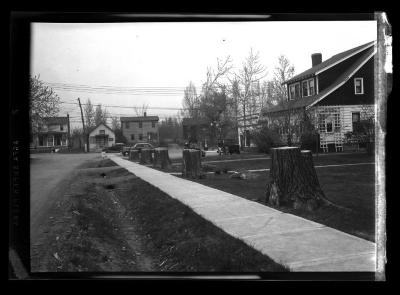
(144, 114)
(316, 59)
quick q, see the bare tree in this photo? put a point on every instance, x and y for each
(191, 102)
(283, 72)
(278, 95)
(115, 123)
(141, 110)
(89, 114)
(248, 79)
(100, 115)
(44, 102)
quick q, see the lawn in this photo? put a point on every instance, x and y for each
(352, 187)
(109, 220)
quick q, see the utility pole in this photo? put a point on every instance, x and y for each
(83, 124)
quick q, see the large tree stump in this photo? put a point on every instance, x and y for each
(134, 155)
(161, 158)
(293, 180)
(146, 156)
(191, 166)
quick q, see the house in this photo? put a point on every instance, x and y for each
(140, 129)
(101, 137)
(336, 94)
(52, 133)
(246, 125)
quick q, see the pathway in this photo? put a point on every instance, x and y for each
(295, 242)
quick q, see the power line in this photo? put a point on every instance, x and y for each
(124, 107)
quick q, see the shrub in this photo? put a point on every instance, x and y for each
(309, 141)
(266, 138)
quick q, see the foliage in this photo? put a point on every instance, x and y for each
(44, 102)
(170, 129)
(266, 138)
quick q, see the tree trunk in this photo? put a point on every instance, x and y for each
(191, 167)
(146, 156)
(134, 155)
(161, 158)
(293, 180)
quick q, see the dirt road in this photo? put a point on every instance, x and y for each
(48, 177)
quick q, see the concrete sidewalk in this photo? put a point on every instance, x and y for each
(295, 242)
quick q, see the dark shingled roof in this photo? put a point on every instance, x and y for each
(139, 119)
(310, 72)
(306, 101)
(55, 120)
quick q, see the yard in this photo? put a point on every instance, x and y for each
(350, 186)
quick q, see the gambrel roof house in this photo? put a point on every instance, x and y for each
(335, 90)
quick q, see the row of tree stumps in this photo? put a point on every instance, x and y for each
(158, 157)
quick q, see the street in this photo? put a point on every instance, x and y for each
(49, 174)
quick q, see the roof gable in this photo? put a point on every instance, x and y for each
(55, 120)
(98, 125)
(332, 61)
(139, 119)
(343, 78)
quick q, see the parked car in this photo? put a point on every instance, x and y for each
(116, 148)
(196, 146)
(143, 145)
(138, 146)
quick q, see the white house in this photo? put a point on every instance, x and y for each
(101, 137)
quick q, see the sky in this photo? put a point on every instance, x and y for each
(170, 55)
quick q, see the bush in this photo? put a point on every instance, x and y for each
(309, 141)
(266, 138)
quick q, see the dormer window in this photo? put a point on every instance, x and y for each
(294, 91)
(308, 87)
(358, 86)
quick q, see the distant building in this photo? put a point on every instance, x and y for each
(140, 129)
(53, 133)
(101, 137)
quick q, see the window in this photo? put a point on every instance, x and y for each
(308, 87)
(311, 87)
(358, 86)
(132, 136)
(127, 125)
(140, 125)
(294, 91)
(355, 119)
(102, 132)
(291, 92)
(329, 126)
(61, 127)
(297, 90)
(153, 124)
(305, 88)
(140, 136)
(110, 139)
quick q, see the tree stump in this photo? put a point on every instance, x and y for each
(146, 156)
(134, 155)
(293, 180)
(161, 158)
(191, 166)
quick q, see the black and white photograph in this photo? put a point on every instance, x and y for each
(227, 148)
